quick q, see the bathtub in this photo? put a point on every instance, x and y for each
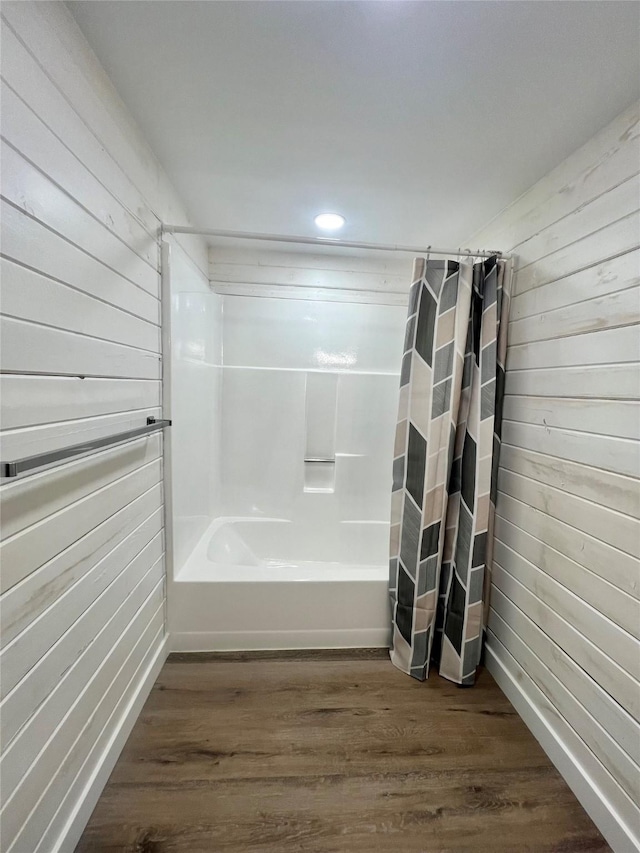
(273, 583)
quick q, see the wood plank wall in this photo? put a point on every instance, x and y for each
(565, 619)
(337, 276)
(83, 575)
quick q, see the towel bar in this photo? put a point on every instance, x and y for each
(27, 463)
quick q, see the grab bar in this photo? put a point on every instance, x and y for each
(327, 459)
(19, 466)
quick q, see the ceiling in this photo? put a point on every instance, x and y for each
(418, 121)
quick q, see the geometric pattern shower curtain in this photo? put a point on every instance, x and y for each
(445, 465)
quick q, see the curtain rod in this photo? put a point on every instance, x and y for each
(328, 241)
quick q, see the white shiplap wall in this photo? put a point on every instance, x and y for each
(83, 568)
(565, 619)
(338, 275)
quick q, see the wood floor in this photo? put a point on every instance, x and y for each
(337, 754)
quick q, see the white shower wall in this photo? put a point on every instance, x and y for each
(272, 349)
(195, 391)
(283, 359)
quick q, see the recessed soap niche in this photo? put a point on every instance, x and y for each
(321, 401)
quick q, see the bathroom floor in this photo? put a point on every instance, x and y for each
(330, 752)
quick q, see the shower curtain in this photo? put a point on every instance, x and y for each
(445, 465)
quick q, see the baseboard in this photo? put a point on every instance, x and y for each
(235, 641)
(547, 730)
(74, 827)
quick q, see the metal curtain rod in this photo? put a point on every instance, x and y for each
(28, 463)
(328, 241)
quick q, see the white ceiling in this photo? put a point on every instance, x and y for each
(418, 121)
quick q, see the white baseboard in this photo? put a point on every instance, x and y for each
(550, 732)
(74, 827)
(228, 641)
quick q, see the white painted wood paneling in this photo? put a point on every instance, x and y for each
(301, 275)
(59, 764)
(73, 774)
(619, 606)
(601, 487)
(33, 547)
(615, 417)
(621, 308)
(33, 192)
(30, 81)
(320, 294)
(42, 589)
(31, 244)
(565, 618)
(83, 793)
(82, 590)
(620, 646)
(339, 259)
(612, 757)
(30, 740)
(27, 295)
(26, 649)
(33, 689)
(119, 475)
(619, 455)
(33, 400)
(25, 131)
(609, 242)
(589, 551)
(618, 530)
(609, 346)
(608, 159)
(595, 662)
(596, 281)
(55, 42)
(34, 348)
(617, 203)
(623, 728)
(28, 440)
(603, 382)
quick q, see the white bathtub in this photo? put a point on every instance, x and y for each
(269, 583)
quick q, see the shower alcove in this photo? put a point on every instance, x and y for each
(283, 395)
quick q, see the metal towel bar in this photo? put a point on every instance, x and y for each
(19, 466)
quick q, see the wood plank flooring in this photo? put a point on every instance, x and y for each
(330, 753)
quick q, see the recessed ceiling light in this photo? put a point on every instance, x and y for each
(329, 221)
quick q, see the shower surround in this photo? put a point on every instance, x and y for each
(285, 377)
